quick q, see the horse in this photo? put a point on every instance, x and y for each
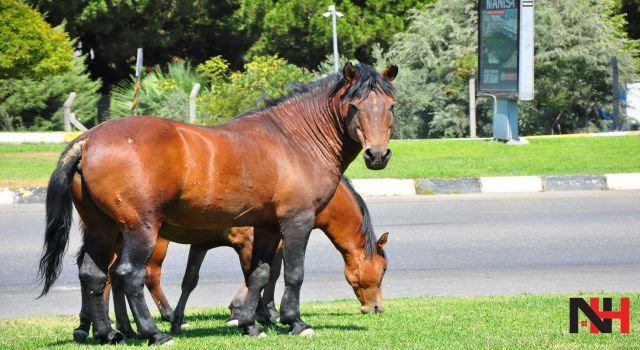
(346, 222)
(273, 168)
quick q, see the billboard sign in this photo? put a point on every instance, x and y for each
(498, 47)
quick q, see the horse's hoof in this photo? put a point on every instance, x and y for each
(160, 339)
(307, 333)
(260, 335)
(175, 330)
(80, 336)
(301, 328)
(115, 338)
(254, 331)
(185, 325)
(232, 323)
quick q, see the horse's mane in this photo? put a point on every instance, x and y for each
(368, 80)
(370, 239)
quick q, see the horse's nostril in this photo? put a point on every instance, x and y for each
(387, 154)
(368, 153)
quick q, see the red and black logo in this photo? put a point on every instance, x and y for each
(601, 321)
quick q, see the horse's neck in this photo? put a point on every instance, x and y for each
(346, 236)
(315, 128)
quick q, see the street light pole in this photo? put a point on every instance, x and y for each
(333, 13)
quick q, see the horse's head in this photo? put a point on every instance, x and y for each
(368, 103)
(365, 277)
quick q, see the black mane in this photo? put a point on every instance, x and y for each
(368, 80)
(370, 240)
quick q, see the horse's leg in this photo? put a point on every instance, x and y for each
(269, 290)
(94, 265)
(295, 236)
(138, 247)
(120, 304)
(236, 304)
(265, 244)
(81, 333)
(197, 252)
(244, 248)
(152, 279)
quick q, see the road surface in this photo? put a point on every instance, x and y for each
(554, 242)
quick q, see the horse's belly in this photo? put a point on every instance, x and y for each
(192, 236)
(215, 215)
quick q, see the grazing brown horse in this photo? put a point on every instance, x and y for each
(273, 169)
(346, 222)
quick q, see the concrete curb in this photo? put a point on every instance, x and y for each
(38, 137)
(409, 187)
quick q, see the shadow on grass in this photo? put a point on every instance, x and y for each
(206, 317)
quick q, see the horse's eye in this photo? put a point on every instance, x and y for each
(353, 108)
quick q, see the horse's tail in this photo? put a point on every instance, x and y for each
(59, 215)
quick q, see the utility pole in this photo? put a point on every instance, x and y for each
(136, 93)
(333, 13)
(472, 105)
(615, 91)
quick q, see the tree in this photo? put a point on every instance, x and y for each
(111, 31)
(163, 92)
(29, 46)
(296, 29)
(264, 78)
(574, 43)
(36, 103)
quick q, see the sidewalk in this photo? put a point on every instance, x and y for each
(409, 187)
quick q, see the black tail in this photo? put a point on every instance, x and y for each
(59, 215)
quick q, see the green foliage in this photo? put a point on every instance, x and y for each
(36, 103)
(29, 46)
(297, 30)
(434, 56)
(234, 92)
(574, 43)
(166, 30)
(163, 93)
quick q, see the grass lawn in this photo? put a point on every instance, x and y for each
(32, 164)
(475, 158)
(515, 322)
(27, 164)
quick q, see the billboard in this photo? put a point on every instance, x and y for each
(498, 46)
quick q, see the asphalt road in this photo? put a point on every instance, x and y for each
(554, 242)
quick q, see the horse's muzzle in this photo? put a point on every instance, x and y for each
(372, 309)
(376, 159)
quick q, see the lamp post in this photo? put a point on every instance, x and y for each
(333, 13)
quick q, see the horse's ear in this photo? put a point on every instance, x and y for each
(349, 72)
(390, 72)
(382, 240)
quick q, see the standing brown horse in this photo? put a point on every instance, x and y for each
(346, 222)
(273, 169)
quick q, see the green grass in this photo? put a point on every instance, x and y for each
(475, 158)
(514, 322)
(27, 164)
(32, 164)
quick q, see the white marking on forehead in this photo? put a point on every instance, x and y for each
(375, 105)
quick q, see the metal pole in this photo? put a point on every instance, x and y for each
(472, 105)
(615, 91)
(336, 62)
(334, 14)
(67, 111)
(192, 103)
(136, 94)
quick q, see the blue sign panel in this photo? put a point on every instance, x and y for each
(498, 46)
